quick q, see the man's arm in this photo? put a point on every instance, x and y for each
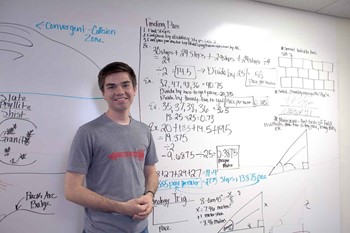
(76, 192)
(151, 186)
(151, 178)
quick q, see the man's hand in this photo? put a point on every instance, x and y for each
(147, 202)
(134, 207)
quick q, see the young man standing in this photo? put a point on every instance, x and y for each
(116, 156)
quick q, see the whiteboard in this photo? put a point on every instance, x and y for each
(241, 99)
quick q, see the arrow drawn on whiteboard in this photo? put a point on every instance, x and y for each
(17, 39)
(18, 207)
(51, 63)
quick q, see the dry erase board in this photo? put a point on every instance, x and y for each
(241, 99)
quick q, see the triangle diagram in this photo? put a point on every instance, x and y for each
(293, 219)
(295, 158)
(249, 218)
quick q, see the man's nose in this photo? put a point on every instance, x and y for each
(119, 90)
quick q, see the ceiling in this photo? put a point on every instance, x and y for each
(339, 8)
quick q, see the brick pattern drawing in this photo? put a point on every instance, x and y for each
(302, 73)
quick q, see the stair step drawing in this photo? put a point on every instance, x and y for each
(295, 158)
(248, 219)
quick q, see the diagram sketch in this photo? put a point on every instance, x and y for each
(249, 218)
(16, 135)
(21, 45)
(292, 221)
(295, 158)
(306, 74)
(27, 206)
(177, 204)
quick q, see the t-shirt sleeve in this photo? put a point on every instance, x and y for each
(151, 157)
(80, 154)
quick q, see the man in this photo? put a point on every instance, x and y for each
(116, 155)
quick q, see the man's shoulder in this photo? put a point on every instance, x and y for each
(139, 123)
(95, 123)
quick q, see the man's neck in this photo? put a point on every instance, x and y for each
(120, 118)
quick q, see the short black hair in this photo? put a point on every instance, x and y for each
(115, 67)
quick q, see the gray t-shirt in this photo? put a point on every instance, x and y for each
(113, 157)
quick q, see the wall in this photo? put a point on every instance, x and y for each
(243, 108)
(343, 58)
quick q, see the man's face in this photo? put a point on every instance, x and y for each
(119, 92)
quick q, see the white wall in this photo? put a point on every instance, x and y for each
(343, 61)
